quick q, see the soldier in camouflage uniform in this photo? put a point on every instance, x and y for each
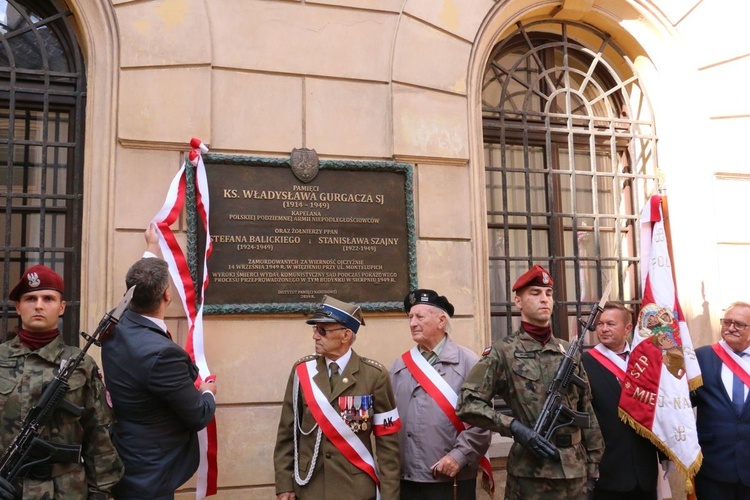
(520, 368)
(27, 363)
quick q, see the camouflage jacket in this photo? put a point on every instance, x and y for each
(519, 369)
(23, 374)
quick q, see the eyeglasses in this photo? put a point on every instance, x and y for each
(726, 323)
(323, 332)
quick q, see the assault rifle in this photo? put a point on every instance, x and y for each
(29, 450)
(555, 414)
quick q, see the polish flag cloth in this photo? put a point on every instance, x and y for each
(207, 474)
(662, 368)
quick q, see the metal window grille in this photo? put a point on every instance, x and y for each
(42, 104)
(570, 157)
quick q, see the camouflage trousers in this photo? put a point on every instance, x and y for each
(533, 488)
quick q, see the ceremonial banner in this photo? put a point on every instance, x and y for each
(207, 475)
(662, 368)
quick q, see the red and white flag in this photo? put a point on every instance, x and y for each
(662, 368)
(207, 475)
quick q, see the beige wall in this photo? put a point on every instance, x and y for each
(376, 80)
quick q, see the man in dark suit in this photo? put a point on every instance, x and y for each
(150, 379)
(629, 466)
(723, 412)
(336, 405)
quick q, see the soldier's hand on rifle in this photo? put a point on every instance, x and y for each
(531, 440)
(8, 491)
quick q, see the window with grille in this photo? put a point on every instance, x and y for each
(570, 156)
(42, 103)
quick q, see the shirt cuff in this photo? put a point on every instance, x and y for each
(211, 393)
(149, 255)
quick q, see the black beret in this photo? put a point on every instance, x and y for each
(429, 297)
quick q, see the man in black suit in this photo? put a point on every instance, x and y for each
(629, 467)
(723, 412)
(150, 379)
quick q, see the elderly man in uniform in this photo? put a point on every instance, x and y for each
(335, 402)
(629, 467)
(520, 368)
(436, 447)
(28, 363)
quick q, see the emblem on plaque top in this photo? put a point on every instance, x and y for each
(305, 164)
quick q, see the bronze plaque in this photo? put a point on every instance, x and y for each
(281, 243)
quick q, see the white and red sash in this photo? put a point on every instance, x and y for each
(610, 360)
(445, 397)
(732, 361)
(333, 426)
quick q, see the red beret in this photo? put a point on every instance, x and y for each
(537, 276)
(37, 278)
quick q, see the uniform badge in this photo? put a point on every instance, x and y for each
(486, 351)
(34, 280)
(357, 411)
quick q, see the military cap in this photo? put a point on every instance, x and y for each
(37, 278)
(429, 297)
(335, 311)
(536, 276)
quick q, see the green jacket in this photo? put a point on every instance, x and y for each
(23, 375)
(333, 476)
(520, 370)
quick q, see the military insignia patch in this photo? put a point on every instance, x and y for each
(34, 280)
(486, 351)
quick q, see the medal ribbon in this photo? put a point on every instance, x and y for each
(332, 425)
(609, 364)
(445, 397)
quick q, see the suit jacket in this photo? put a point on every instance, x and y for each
(629, 460)
(723, 435)
(334, 477)
(157, 407)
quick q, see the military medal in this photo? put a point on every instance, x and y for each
(356, 411)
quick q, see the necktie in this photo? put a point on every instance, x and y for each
(738, 391)
(430, 356)
(334, 375)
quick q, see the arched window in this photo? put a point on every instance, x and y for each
(570, 156)
(42, 103)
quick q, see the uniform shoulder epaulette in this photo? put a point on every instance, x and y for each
(305, 359)
(373, 363)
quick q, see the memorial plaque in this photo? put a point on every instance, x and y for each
(280, 243)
